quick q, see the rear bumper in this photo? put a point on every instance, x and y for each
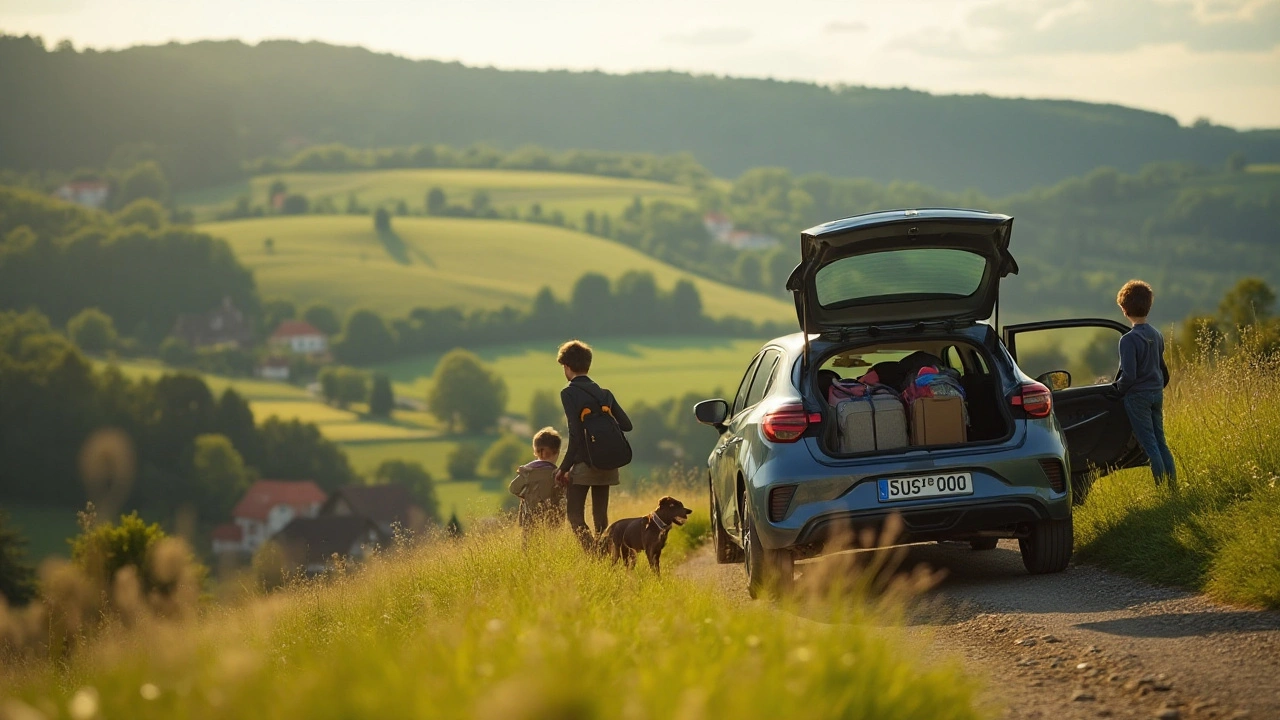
(842, 530)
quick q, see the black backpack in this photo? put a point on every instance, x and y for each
(606, 445)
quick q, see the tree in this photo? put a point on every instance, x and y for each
(381, 399)
(1250, 301)
(415, 477)
(436, 201)
(748, 271)
(295, 205)
(481, 204)
(1237, 162)
(504, 455)
(17, 578)
(686, 305)
(453, 527)
(176, 353)
(92, 331)
(343, 385)
(366, 339)
(145, 180)
(591, 303)
(219, 475)
(101, 551)
(466, 393)
(233, 418)
(382, 220)
(462, 461)
(269, 246)
(323, 318)
(276, 311)
(293, 450)
(143, 211)
(277, 189)
(545, 410)
(589, 222)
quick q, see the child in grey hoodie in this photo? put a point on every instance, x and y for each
(1142, 378)
(535, 483)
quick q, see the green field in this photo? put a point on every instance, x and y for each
(517, 190)
(439, 262)
(46, 529)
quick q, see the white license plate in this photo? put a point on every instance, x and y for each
(926, 486)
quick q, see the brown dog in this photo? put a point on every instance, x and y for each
(628, 537)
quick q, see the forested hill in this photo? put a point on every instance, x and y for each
(208, 106)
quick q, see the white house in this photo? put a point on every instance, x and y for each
(90, 193)
(266, 508)
(299, 337)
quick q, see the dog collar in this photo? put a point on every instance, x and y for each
(658, 521)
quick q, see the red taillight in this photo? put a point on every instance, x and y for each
(1035, 399)
(786, 423)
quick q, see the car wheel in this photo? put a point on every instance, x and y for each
(727, 551)
(770, 573)
(984, 543)
(1047, 549)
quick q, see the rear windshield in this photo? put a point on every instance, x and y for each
(900, 275)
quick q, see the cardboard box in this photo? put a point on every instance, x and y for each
(938, 421)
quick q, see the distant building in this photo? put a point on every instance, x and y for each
(718, 225)
(299, 337)
(89, 193)
(720, 228)
(386, 505)
(273, 368)
(312, 543)
(224, 325)
(266, 508)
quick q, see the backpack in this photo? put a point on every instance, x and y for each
(605, 443)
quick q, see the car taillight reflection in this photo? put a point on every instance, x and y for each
(1035, 399)
(786, 423)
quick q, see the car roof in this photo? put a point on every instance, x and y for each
(880, 217)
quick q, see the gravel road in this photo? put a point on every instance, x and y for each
(1084, 643)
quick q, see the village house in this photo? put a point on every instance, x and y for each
(267, 507)
(274, 368)
(299, 337)
(224, 325)
(388, 506)
(312, 543)
(720, 228)
(89, 193)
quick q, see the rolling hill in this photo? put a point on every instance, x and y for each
(438, 262)
(204, 108)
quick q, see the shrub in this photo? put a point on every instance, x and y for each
(504, 455)
(462, 461)
(92, 331)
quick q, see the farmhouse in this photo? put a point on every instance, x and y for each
(223, 325)
(89, 193)
(386, 505)
(313, 542)
(299, 337)
(273, 368)
(266, 508)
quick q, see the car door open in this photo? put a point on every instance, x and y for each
(1077, 360)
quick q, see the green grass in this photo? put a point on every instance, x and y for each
(571, 194)
(1220, 532)
(483, 628)
(649, 369)
(46, 529)
(1264, 168)
(438, 262)
(251, 389)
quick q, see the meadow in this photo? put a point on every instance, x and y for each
(518, 190)
(437, 262)
(485, 628)
(1219, 533)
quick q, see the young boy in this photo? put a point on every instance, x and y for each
(535, 483)
(1143, 377)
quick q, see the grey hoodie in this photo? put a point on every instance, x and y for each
(1142, 365)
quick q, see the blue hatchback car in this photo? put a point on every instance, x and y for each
(872, 290)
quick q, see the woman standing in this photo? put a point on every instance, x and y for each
(582, 398)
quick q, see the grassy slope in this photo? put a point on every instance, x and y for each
(485, 629)
(436, 262)
(571, 194)
(1220, 533)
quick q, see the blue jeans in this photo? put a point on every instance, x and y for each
(1146, 415)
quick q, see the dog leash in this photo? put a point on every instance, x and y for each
(658, 521)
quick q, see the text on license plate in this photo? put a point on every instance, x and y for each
(927, 486)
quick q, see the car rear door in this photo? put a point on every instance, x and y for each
(1099, 437)
(740, 422)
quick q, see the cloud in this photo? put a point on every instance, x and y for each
(1030, 27)
(839, 27)
(711, 36)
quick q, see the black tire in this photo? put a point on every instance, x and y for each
(770, 573)
(980, 544)
(727, 551)
(1048, 548)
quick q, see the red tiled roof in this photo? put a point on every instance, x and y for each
(229, 533)
(266, 494)
(295, 328)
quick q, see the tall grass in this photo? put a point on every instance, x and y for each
(1220, 532)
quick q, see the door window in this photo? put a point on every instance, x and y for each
(1090, 352)
(740, 400)
(764, 377)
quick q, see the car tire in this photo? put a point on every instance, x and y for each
(727, 551)
(1047, 549)
(980, 544)
(770, 573)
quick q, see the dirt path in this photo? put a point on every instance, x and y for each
(1086, 643)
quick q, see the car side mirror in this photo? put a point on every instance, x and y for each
(1055, 379)
(712, 412)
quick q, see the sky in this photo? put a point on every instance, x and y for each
(1215, 59)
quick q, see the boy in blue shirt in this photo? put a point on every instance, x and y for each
(1142, 378)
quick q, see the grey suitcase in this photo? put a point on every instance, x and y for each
(877, 422)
